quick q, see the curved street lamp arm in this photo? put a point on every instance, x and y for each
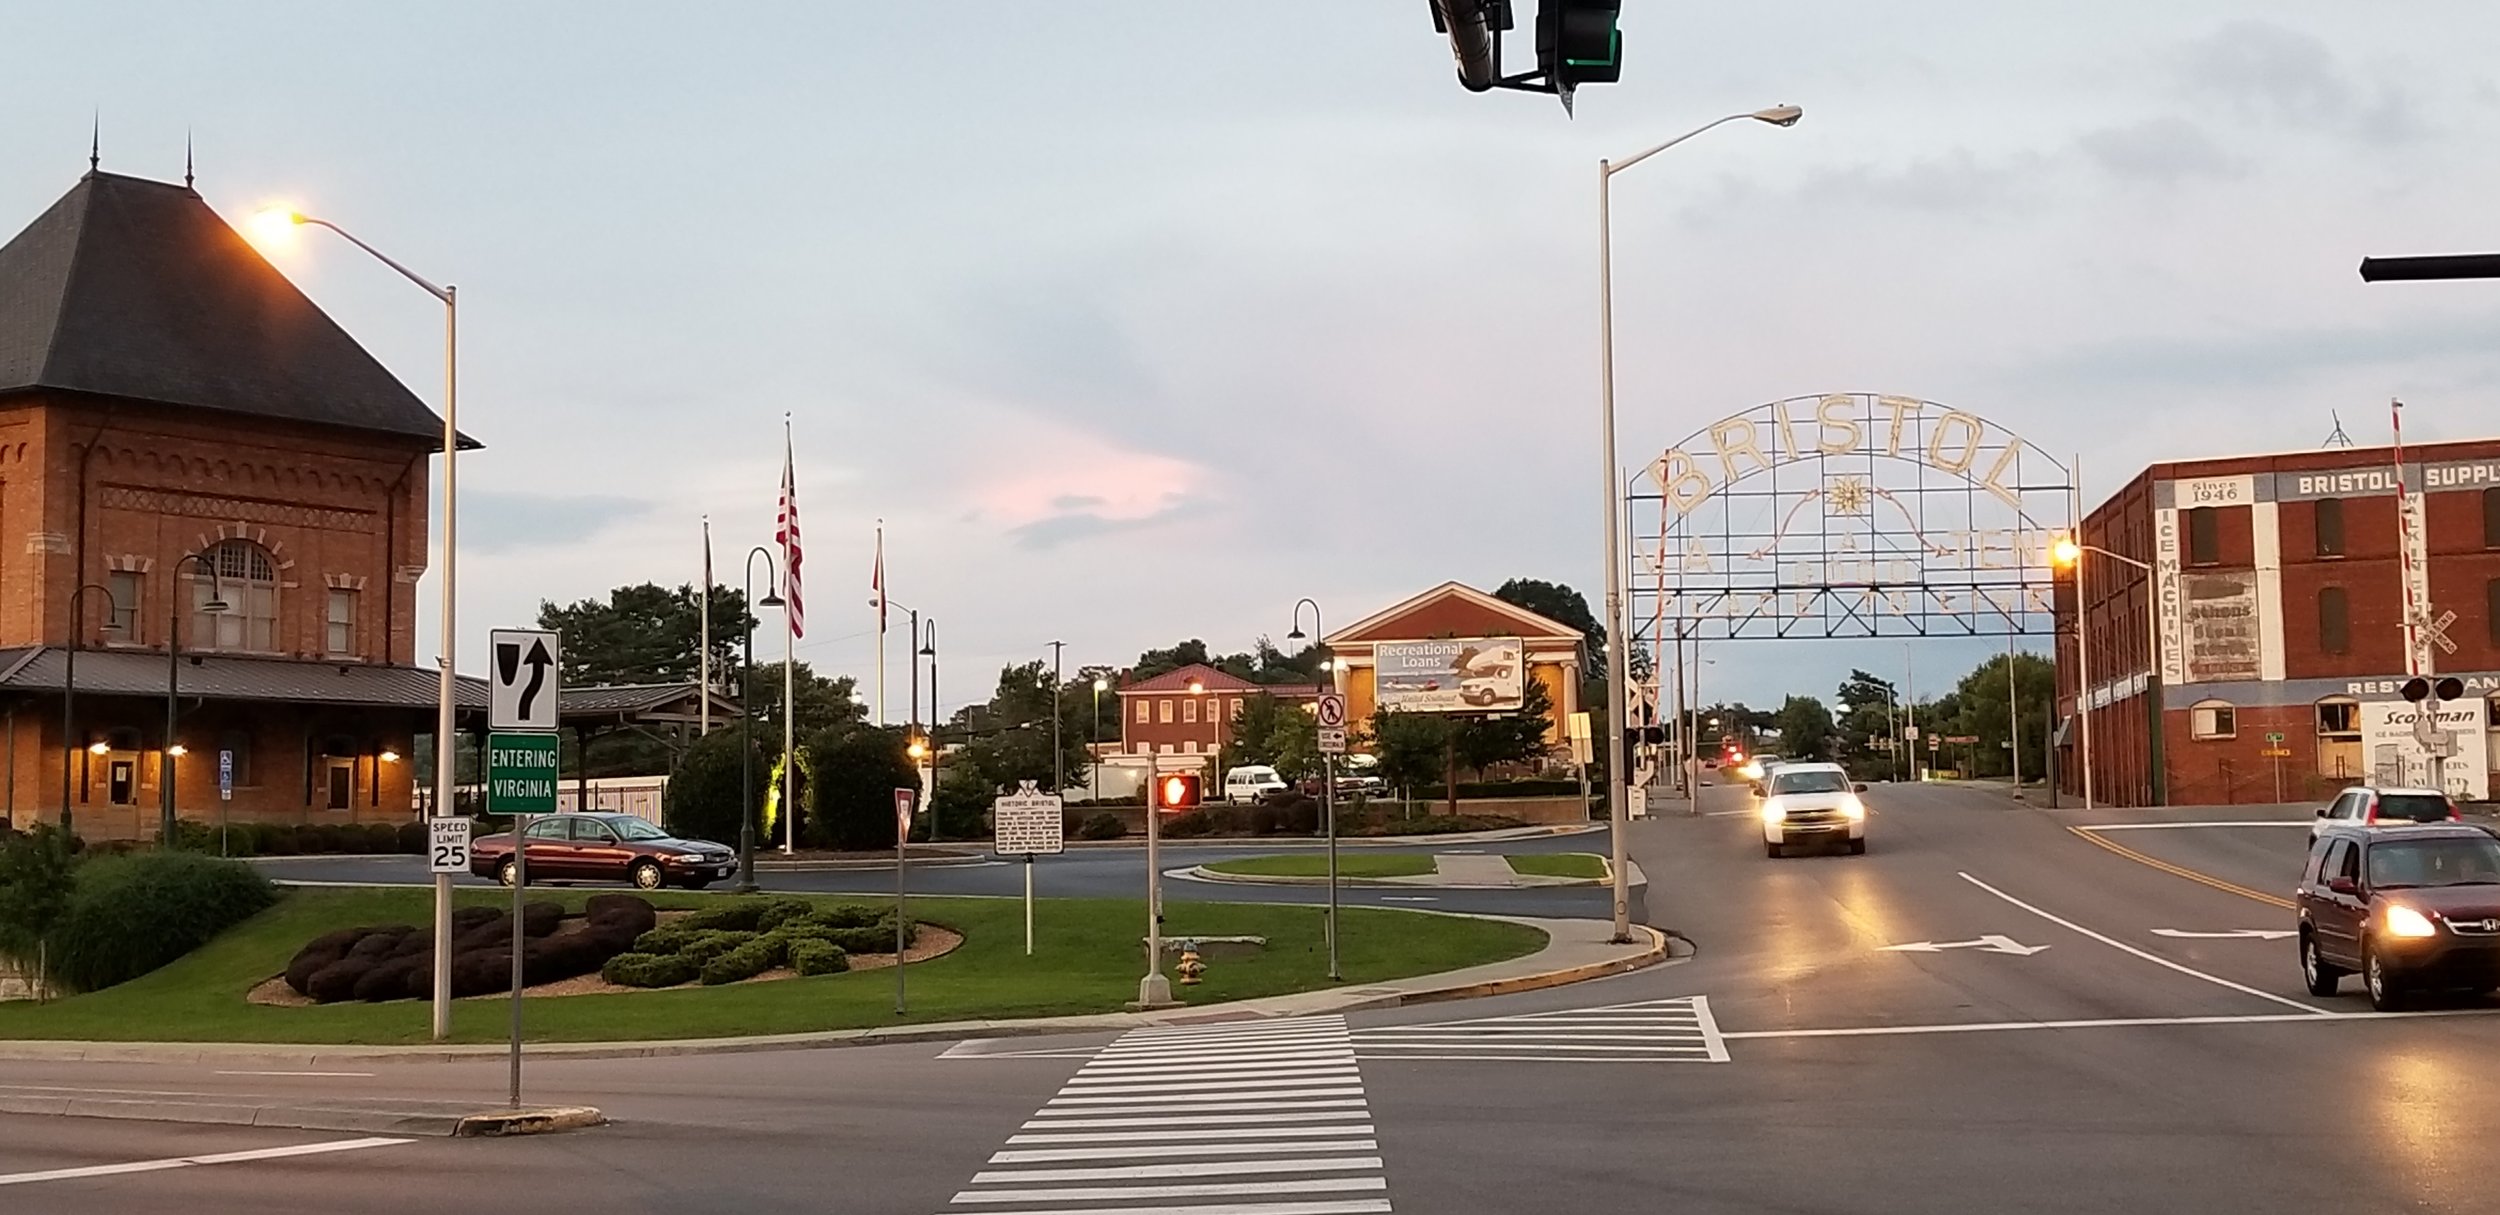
(441, 293)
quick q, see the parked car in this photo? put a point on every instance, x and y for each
(2408, 908)
(1250, 782)
(1812, 804)
(604, 847)
(2369, 806)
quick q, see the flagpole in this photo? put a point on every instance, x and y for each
(704, 693)
(789, 648)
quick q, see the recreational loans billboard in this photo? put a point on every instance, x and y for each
(1450, 675)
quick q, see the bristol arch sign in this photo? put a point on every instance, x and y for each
(1846, 515)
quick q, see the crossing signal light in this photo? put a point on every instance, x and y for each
(2449, 687)
(1177, 792)
(1577, 42)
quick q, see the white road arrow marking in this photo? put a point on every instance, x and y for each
(2235, 934)
(1991, 942)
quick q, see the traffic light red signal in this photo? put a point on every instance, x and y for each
(1177, 792)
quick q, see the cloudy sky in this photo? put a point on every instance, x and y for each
(1140, 320)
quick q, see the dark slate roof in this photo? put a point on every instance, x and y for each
(216, 677)
(136, 289)
(628, 700)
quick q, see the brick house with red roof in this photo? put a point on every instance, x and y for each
(1191, 710)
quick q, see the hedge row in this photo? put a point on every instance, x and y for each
(396, 961)
(736, 940)
(304, 839)
(128, 915)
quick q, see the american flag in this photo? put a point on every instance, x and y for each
(786, 534)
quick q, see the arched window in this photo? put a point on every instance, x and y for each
(2212, 719)
(247, 583)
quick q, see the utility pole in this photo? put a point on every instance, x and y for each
(1058, 754)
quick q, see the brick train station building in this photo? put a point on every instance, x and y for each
(2275, 608)
(181, 429)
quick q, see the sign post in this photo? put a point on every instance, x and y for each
(903, 799)
(525, 686)
(1331, 712)
(225, 794)
(1030, 823)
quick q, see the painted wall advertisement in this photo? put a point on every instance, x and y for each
(1450, 675)
(2219, 628)
(2396, 757)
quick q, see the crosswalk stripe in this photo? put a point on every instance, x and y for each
(1268, 1118)
(1678, 1030)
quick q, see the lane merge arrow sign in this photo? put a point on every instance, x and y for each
(1992, 943)
(2235, 934)
(527, 680)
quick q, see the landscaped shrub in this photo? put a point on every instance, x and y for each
(382, 838)
(648, 970)
(818, 958)
(1186, 826)
(337, 981)
(707, 946)
(274, 839)
(749, 959)
(1264, 820)
(129, 915)
(705, 792)
(413, 838)
(847, 915)
(667, 938)
(397, 961)
(736, 915)
(1102, 825)
(480, 972)
(782, 911)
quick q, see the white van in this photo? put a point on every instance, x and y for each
(1251, 782)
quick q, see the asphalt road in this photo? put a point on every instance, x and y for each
(1093, 872)
(2060, 1046)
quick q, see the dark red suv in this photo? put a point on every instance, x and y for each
(2407, 908)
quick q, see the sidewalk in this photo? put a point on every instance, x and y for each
(1575, 950)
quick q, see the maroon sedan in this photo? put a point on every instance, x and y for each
(2407, 908)
(604, 847)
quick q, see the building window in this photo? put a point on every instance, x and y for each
(2491, 611)
(1145, 711)
(2212, 719)
(342, 629)
(1189, 710)
(121, 621)
(1235, 710)
(1165, 713)
(2204, 536)
(247, 582)
(2339, 717)
(2334, 621)
(2329, 514)
(2491, 517)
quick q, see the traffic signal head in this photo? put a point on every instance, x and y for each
(1578, 43)
(1177, 792)
(2449, 687)
(2415, 689)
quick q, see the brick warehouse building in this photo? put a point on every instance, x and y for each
(164, 394)
(2282, 614)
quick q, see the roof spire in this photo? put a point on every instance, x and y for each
(186, 158)
(95, 140)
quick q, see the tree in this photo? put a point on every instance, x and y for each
(35, 884)
(1558, 603)
(1984, 711)
(1505, 738)
(646, 634)
(1805, 728)
(1867, 715)
(1170, 658)
(705, 792)
(850, 791)
(1411, 747)
(1009, 741)
(820, 704)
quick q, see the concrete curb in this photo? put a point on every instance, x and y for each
(382, 1118)
(1526, 881)
(1651, 949)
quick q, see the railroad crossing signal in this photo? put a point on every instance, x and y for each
(2436, 632)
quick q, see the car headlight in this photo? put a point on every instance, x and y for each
(1773, 812)
(689, 858)
(2403, 921)
(1853, 808)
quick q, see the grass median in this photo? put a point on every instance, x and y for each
(1088, 956)
(1315, 865)
(1559, 864)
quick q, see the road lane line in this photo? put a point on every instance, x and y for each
(184, 1162)
(2154, 958)
(340, 1075)
(1979, 1027)
(1043, 1124)
(2205, 879)
(2237, 822)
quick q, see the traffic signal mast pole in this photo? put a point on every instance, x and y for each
(1154, 991)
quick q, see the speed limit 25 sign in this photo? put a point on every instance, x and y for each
(447, 845)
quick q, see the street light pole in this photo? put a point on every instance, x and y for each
(1618, 635)
(928, 650)
(171, 750)
(1093, 737)
(1058, 762)
(2069, 551)
(69, 694)
(1327, 787)
(746, 720)
(445, 729)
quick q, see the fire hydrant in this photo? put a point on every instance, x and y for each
(1191, 968)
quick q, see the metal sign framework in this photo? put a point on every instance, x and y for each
(1846, 515)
